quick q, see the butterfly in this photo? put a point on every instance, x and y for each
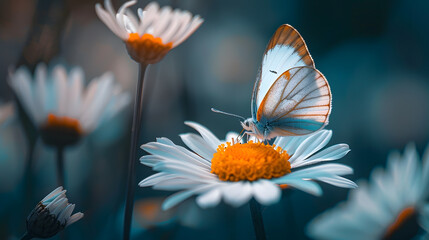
(290, 96)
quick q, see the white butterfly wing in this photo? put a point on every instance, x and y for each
(285, 50)
(297, 103)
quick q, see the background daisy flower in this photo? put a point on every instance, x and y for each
(51, 215)
(60, 107)
(151, 35)
(390, 206)
(235, 172)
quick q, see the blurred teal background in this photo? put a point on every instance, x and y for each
(373, 53)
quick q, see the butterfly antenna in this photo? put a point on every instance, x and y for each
(229, 114)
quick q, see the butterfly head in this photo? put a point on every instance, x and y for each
(261, 130)
(248, 125)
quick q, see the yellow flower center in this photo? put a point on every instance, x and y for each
(249, 161)
(147, 49)
(61, 131)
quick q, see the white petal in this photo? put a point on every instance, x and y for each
(59, 206)
(51, 196)
(237, 194)
(208, 136)
(165, 141)
(40, 92)
(324, 170)
(303, 185)
(74, 218)
(310, 145)
(198, 145)
(232, 137)
(209, 199)
(76, 89)
(155, 178)
(193, 26)
(65, 214)
(266, 192)
(425, 172)
(150, 160)
(177, 184)
(175, 153)
(289, 143)
(176, 198)
(60, 80)
(332, 153)
(338, 181)
(183, 169)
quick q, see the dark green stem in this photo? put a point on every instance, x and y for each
(60, 166)
(29, 175)
(258, 223)
(135, 133)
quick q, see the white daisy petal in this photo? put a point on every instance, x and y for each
(232, 137)
(266, 192)
(208, 136)
(332, 153)
(324, 170)
(176, 184)
(53, 194)
(289, 143)
(425, 172)
(310, 145)
(166, 141)
(237, 194)
(176, 198)
(60, 78)
(150, 160)
(209, 199)
(155, 178)
(194, 25)
(40, 91)
(374, 207)
(61, 94)
(171, 26)
(190, 171)
(75, 96)
(338, 181)
(183, 170)
(175, 152)
(303, 185)
(198, 145)
(56, 208)
(74, 218)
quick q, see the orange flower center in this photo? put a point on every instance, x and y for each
(249, 161)
(61, 131)
(147, 49)
(404, 218)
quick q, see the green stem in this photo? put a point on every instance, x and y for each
(258, 223)
(135, 133)
(60, 166)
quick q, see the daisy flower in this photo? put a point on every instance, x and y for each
(151, 35)
(390, 206)
(236, 172)
(59, 106)
(51, 215)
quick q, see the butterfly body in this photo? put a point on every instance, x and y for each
(290, 96)
(262, 129)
